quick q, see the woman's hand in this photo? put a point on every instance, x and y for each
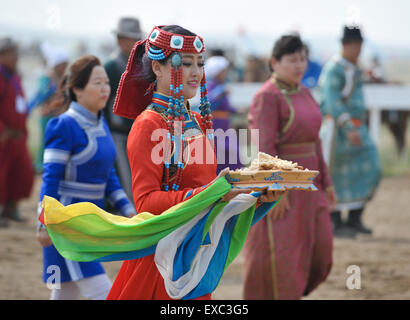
(268, 196)
(223, 173)
(234, 192)
(130, 215)
(272, 195)
(46, 110)
(279, 210)
(331, 198)
(5, 135)
(43, 238)
(354, 137)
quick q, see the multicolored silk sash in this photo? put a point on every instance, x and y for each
(193, 241)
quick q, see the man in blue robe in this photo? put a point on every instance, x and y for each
(353, 159)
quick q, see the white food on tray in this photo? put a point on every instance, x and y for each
(268, 172)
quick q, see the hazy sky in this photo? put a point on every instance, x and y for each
(383, 21)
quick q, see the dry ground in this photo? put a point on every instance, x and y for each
(383, 258)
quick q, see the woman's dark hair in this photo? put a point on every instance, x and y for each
(77, 76)
(147, 72)
(287, 44)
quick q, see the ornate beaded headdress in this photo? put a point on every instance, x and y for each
(135, 93)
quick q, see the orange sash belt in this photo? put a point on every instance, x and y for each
(297, 150)
(356, 122)
(219, 114)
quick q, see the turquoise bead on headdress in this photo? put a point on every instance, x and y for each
(156, 54)
(176, 60)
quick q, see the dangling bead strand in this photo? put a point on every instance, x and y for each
(170, 135)
(205, 106)
(180, 118)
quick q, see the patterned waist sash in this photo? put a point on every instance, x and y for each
(73, 189)
(297, 150)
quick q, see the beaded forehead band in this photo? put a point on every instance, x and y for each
(169, 42)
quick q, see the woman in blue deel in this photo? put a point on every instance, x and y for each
(79, 155)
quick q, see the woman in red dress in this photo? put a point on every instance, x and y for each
(163, 72)
(289, 253)
(16, 172)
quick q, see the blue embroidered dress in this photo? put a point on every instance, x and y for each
(355, 170)
(79, 157)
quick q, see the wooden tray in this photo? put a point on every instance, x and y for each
(273, 179)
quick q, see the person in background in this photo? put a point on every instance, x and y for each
(375, 73)
(16, 172)
(128, 33)
(312, 73)
(217, 68)
(79, 155)
(353, 159)
(57, 61)
(289, 253)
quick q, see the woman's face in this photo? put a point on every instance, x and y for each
(9, 59)
(291, 67)
(60, 69)
(192, 74)
(95, 94)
